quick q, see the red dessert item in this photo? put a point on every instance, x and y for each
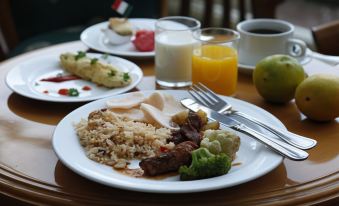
(144, 40)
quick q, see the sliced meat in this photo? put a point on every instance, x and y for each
(170, 161)
(189, 131)
(195, 121)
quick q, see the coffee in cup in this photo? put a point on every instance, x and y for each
(260, 38)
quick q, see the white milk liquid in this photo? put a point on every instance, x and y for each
(173, 56)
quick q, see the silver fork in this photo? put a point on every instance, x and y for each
(206, 97)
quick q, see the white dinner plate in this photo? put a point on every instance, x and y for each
(25, 79)
(95, 39)
(248, 69)
(254, 158)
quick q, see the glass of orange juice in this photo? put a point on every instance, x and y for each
(215, 59)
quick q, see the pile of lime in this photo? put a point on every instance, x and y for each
(280, 78)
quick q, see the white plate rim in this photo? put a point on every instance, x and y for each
(135, 184)
(97, 28)
(8, 80)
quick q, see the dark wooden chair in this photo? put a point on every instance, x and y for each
(259, 9)
(326, 38)
(208, 11)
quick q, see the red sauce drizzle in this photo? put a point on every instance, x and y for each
(60, 78)
(86, 88)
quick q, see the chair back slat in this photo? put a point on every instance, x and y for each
(326, 38)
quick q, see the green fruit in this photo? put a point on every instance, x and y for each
(318, 97)
(276, 77)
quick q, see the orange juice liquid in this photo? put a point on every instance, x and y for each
(216, 67)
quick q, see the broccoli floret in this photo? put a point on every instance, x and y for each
(204, 165)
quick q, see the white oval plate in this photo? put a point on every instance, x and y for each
(248, 69)
(24, 79)
(255, 158)
(95, 39)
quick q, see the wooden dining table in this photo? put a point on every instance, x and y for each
(30, 172)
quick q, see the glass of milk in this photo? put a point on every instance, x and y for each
(174, 45)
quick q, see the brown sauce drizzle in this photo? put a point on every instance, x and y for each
(139, 173)
(236, 164)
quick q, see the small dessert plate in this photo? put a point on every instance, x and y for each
(95, 39)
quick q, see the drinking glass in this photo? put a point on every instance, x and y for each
(173, 50)
(215, 59)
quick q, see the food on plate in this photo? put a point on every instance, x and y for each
(144, 40)
(190, 128)
(205, 164)
(169, 161)
(276, 78)
(125, 131)
(119, 31)
(121, 26)
(94, 70)
(221, 141)
(317, 97)
(72, 92)
(114, 140)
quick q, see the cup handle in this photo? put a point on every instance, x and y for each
(296, 48)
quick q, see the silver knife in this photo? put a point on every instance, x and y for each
(282, 148)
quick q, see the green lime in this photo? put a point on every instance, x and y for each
(276, 78)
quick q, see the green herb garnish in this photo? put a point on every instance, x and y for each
(93, 61)
(80, 55)
(111, 73)
(104, 56)
(73, 92)
(126, 77)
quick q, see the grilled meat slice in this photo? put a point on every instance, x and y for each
(189, 131)
(170, 161)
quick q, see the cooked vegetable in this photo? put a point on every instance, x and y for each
(211, 125)
(203, 116)
(180, 118)
(93, 70)
(221, 141)
(204, 165)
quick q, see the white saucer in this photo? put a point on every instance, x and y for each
(248, 69)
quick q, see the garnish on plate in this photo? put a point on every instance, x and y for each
(72, 92)
(80, 55)
(144, 40)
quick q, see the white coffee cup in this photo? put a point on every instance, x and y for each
(260, 38)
